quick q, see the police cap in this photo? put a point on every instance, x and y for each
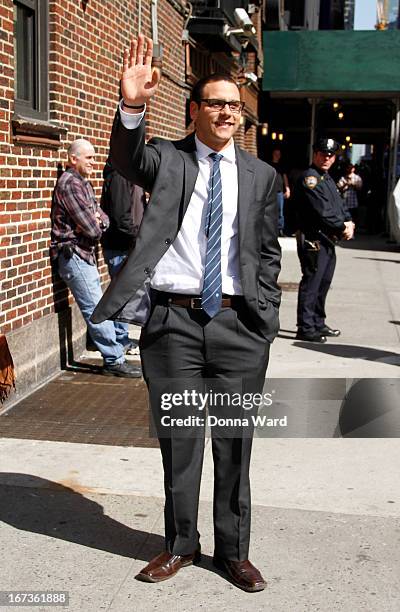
(326, 145)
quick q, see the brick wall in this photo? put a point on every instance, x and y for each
(86, 41)
(84, 64)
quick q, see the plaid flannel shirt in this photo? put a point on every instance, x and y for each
(73, 217)
(349, 187)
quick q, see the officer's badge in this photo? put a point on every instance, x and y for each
(311, 182)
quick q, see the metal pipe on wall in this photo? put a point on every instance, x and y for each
(157, 48)
(311, 14)
(393, 165)
(154, 24)
(313, 102)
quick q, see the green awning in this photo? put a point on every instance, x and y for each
(332, 61)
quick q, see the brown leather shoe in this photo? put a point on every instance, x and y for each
(243, 574)
(166, 565)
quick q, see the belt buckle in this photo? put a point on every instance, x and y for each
(195, 303)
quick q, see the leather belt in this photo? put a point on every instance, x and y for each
(195, 302)
(192, 302)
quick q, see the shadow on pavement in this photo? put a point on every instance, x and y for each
(81, 366)
(287, 331)
(351, 351)
(370, 243)
(371, 409)
(37, 505)
(380, 259)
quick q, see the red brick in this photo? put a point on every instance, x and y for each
(84, 67)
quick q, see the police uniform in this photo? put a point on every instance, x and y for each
(321, 216)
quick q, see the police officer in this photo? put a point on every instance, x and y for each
(322, 220)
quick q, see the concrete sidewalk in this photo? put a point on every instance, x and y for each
(364, 302)
(85, 518)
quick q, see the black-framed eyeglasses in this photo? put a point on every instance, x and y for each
(236, 106)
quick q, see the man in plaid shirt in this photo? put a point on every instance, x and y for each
(349, 185)
(77, 224)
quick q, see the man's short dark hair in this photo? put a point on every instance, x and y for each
(197, 91)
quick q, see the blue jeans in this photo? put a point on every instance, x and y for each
(114, 260)
(83, 280)
(281, 218)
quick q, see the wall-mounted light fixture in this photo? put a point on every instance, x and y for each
(264, 129)
(280, 136)
(273, 136)
(343, 147)
(348, 138)
(335, 105)
(340, 115)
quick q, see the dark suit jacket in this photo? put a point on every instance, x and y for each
(169, 171)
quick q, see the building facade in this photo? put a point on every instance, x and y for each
(323, 78)
(59, 81)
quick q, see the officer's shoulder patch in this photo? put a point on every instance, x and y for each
(310, 181)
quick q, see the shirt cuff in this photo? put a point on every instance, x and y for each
(130, 121)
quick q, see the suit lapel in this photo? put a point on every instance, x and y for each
(245, 187)
(187, 149)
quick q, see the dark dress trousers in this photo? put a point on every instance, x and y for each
(183, 349)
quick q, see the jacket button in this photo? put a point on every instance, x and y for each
(168, 241)
(147, 271)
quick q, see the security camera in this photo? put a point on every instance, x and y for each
(244, 21)
(244, 30)
(250, 77)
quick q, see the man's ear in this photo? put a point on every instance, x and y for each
(72, 160)
(193, 110)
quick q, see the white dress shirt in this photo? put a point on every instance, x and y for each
(181, 269)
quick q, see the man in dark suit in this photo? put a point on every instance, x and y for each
(205, 267)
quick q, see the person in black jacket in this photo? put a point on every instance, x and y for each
(282, 186)
(124, 204)
(322, 220)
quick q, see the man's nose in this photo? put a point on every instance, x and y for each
(226, 109)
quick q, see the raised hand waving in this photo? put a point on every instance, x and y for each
(139, 81)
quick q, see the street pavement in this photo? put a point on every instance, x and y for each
(85, 517)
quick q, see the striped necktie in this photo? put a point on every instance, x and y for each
(212, 288)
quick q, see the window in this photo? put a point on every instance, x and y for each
(31, 58)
